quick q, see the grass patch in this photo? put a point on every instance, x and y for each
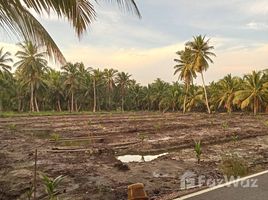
(234, 166)
(55, 137)
(45, 134)
(75, 143)
(225, 125)
(12, 127)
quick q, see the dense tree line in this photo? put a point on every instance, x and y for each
(36, 87)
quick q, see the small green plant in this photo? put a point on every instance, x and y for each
(198, 150)
(51, 186)
(266, 123)
(142, 136)
(29, 192)
(55, 137)
(12, 127)
(235, 138)
(225, 126)
(233, 166)
(89, 123)
(158, 126)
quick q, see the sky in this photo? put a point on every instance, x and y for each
(146, 47)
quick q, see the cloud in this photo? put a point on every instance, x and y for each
(257, 26)
(259, 7)
(238, 62)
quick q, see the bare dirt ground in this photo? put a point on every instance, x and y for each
(84, 148)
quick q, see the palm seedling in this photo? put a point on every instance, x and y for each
(198, 150)
(51, 186)
(224, 126)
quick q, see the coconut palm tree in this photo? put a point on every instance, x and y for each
(195, 98)
(4, 61)
(202, 57)
(4, 72)
(254, 92)
(31, 65)
(226, 89)
(123, 81)
(185, 70)
(97, 76)
(71, 75)
(109, 75)
(159, 90)
(16, 19)
(55, 87)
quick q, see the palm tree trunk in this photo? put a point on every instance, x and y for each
(94, 92)
(72, 102)
(68, 105)
(1, 104)
(205, 91)
(19, 105)
(32, 98)
(76, 106)
(59, 106)
(122, 103)
(185, 97)
(36, 104)
(109, 101)
(255, 106)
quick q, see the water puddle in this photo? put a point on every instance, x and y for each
(139, 158)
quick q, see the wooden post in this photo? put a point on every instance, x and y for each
(35, 171)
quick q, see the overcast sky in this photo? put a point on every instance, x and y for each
(146, 47)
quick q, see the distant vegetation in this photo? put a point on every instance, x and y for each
(36, 87)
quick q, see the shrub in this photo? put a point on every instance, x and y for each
(55, 137)
(233, 165)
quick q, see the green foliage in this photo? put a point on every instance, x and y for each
(142, 136)
(233, 165)
(77, 89)
(52, 186)
(29, 192)
(55, 137)
(235, 138)
(157, 126)
(198, 150)
(225, 125)
(12, 127)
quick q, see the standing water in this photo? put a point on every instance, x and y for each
(139, 158)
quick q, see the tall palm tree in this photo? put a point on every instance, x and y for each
(254, 92)
(71, 80)
(5, 59)
(202, 57)
(109, 75)
(123, 81)
(97, 76)
(186, 70)
(16, 18)
(159, 91)
(55, 86)
(31, 65)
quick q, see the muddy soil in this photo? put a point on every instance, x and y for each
(85, 148)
